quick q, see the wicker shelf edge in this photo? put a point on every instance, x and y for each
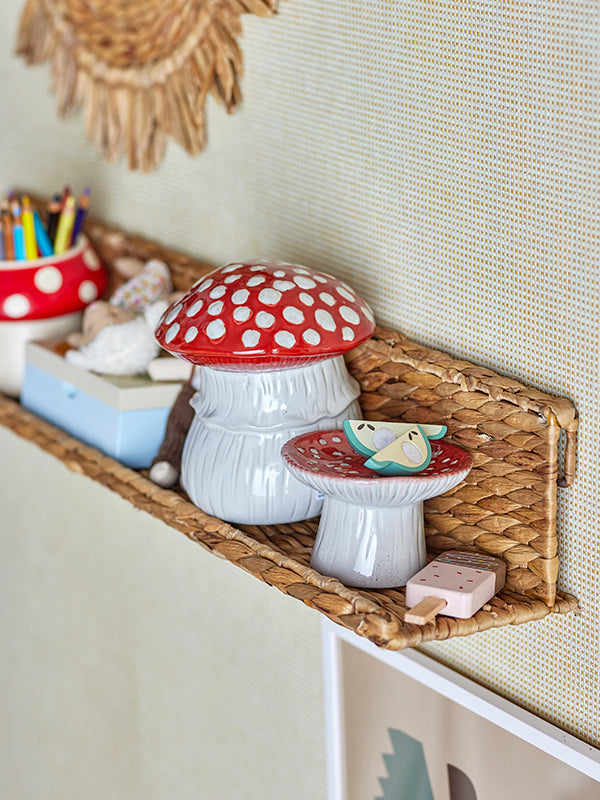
(376, 615)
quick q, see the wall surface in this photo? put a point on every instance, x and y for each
(443, 158)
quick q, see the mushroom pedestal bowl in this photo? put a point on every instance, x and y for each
(43, 298)
(267, 340)
(371, 532)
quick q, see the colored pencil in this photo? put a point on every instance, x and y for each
(82, 208)
(52, 215)
(65, 226)
(7, 235)
(43, 240)
(18, 236)
(31, 250)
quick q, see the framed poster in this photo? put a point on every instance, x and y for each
(400, 726)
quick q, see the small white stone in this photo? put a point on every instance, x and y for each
(325, 320)
(215, 329)
(304, 282)
(256, 280)
(172, 332)
(285, 339)
(269, 297)
(194, 308)
(16, 306)
(327, 299)
(172, 313)
(48, 280)
(191, 334)
(87, 291)
(215, 308)
(350, 315)
(239, 298)
(218, 291)
(242, 314)
(264, 319)
(250, 338)
(347, 334)
(293, 315)
(311, 336)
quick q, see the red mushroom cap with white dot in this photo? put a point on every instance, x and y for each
(51, 286)
(265, 315)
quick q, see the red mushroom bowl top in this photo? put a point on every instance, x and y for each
(52, 286)
(265, 315)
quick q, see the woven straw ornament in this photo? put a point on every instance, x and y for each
(141, 68)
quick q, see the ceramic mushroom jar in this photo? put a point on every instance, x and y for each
(268, 340)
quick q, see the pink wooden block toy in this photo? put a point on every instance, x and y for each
(455, 584)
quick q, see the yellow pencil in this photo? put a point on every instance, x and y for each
(65, 226)
(31, 250)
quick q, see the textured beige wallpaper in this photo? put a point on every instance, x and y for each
(136, 665)
(443, 157)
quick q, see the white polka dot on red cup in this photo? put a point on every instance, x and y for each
(48, 280)
(307, 299)
(91, 259)
(231, 267)
(217, 292)
(347, 334)
(16, 306)
(216, 329)
(250, 338)
(202, 285)
(87, 291)
(368, 313)
(232, 278)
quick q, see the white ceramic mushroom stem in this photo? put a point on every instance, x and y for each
(369, 546)
(231, 464)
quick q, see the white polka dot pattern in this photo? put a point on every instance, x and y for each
(269, 313)
(51, 286)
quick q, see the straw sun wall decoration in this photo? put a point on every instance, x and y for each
(142, 69)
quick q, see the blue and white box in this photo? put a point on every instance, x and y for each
(125, 417)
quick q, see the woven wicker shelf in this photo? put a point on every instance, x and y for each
(506, 507)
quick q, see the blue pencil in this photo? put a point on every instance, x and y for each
(41, 236)
(18, 235)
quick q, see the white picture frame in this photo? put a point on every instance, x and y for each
(554, 756)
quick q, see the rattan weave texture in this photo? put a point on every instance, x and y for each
(506, 507)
